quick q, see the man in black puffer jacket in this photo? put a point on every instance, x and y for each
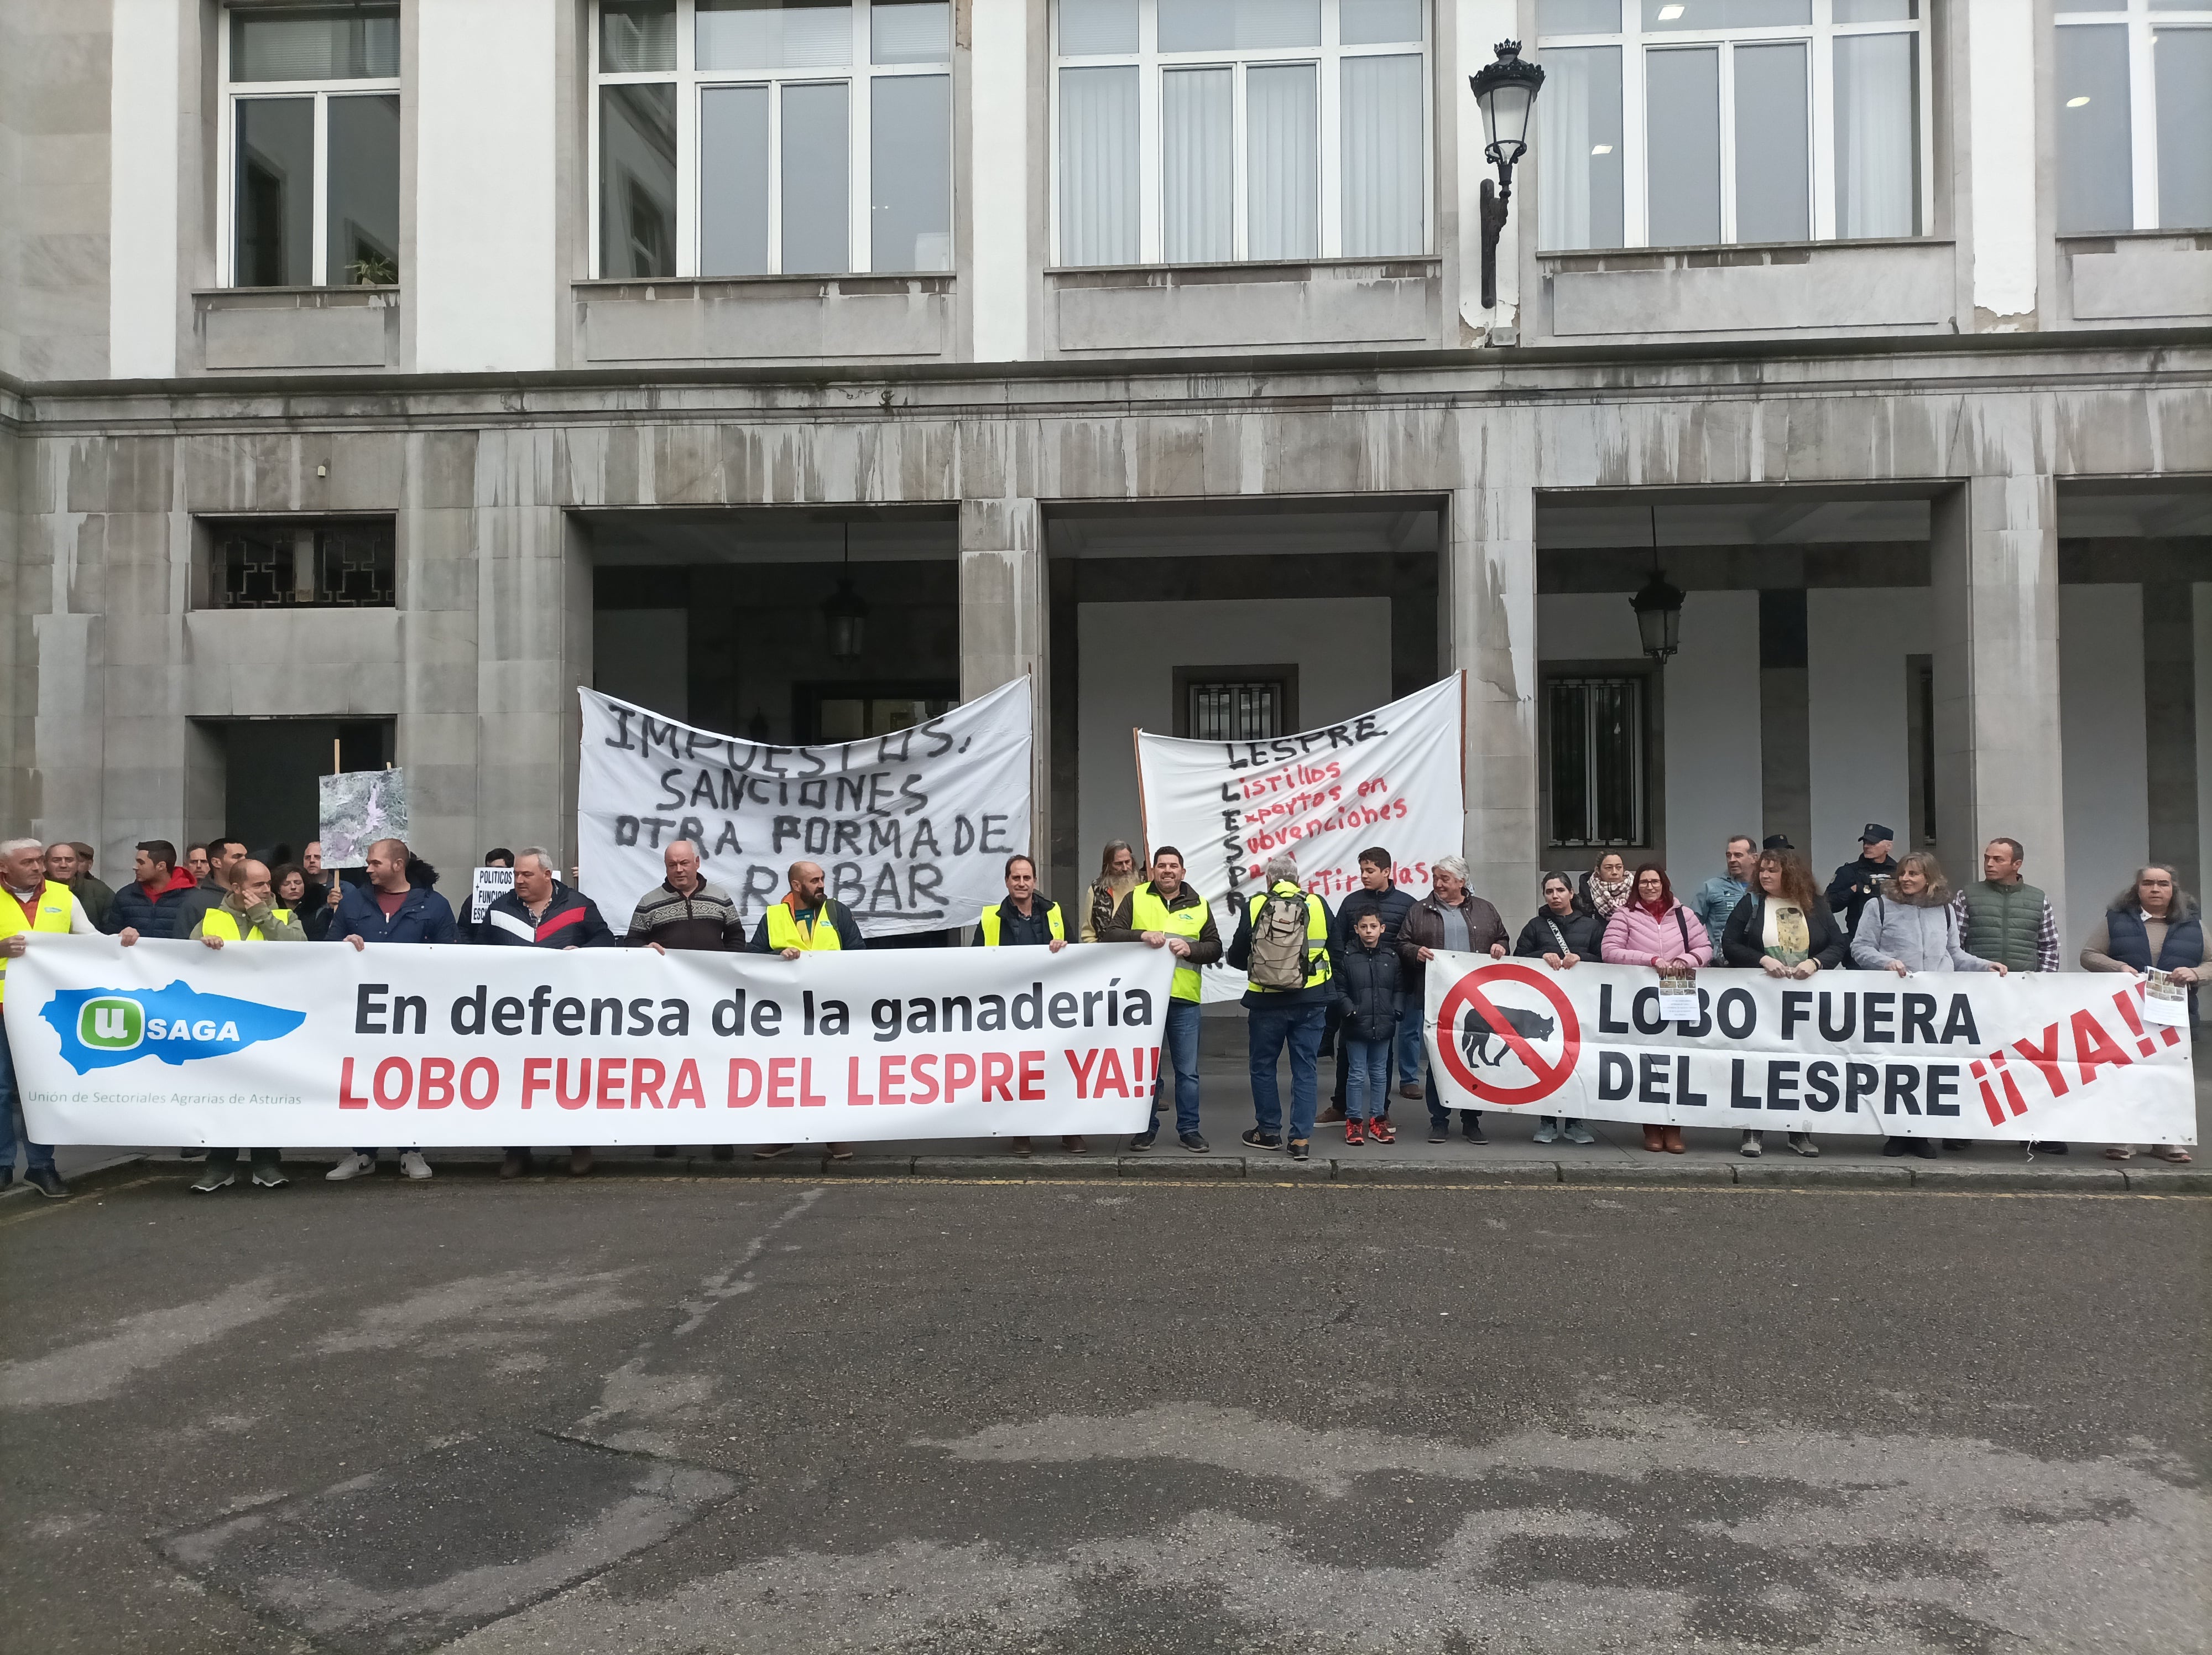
(540, 912)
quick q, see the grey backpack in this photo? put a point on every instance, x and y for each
(1279, 943)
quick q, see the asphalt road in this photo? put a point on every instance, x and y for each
(653, 1415)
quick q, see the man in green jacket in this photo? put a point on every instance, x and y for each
(2006, 919)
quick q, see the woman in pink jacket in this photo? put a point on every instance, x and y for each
(1651, 928)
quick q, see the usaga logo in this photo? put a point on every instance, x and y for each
(102, 1027)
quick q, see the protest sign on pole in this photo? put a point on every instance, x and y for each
(359, 808)
(912, 829)
(1392, 777)
(172, 1043)
(2066, 1056)
(490, 885)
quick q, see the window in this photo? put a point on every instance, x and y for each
(856, 712)
(1596, 749)
(1686, 123)
(1194, 132)
(751, 138)
(313, 114)
(2133, 80)
(1236, 704)
(341, 565)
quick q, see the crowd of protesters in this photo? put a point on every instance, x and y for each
(1349, 979)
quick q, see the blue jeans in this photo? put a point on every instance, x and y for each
(1270, 1028)
(40, 1156)
(1410, 1060)
(1367, 1083)
(1179, 1046)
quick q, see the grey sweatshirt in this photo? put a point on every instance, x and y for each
(1924, 939)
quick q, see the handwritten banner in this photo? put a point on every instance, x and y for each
(308, 1045)
(2067, 1056)
(1389, 778)
(912, 829)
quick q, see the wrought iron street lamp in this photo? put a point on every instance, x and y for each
(1506, 91)
(846, 612)
(1658, 606)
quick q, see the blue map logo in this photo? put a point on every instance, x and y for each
(102, 1027)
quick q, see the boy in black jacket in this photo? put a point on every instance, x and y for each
(1367, 997)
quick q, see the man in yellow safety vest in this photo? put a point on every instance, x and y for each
(32, 906)
(1165, 912)
(247, 913)
(806, 921)
(1282, 946)
(1026, 920)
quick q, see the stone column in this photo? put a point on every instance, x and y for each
(1005, 625)
(1488, 572)
(1993, 575)
(533, 647)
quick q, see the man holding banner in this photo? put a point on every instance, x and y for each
(1164, 912)
(1026, 920)
(806, 921)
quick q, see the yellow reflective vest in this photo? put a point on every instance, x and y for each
(1148, 912)
(50, 912)
(784, 930)
(1317, 966)
(991, 921)
(220, 921)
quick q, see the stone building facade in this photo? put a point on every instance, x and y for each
(1940, 500)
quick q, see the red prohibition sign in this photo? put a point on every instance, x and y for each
(1549, 1077)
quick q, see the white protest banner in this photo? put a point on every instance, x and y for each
(2066, 1056)
(1392, 777)
(912, 829)
(301, 1044)
(490, 885)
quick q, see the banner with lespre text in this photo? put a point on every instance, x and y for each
(304, 1044)
(912, 829)
(2067, 1056)
(1391, 778)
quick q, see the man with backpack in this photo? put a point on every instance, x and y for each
(1282, 947)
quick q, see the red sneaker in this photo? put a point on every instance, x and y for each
(1382, 1131)
(1352, 1130)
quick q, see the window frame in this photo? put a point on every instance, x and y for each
(235, 92)
(692, 82)
(1819, 36)
(1326, 58)
(2141, 24)
(1650, 763)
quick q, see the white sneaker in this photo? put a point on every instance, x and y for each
(353, 1166)
(414, 1165)
(1750, 1145)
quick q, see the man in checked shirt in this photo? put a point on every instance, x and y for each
(2004, 918)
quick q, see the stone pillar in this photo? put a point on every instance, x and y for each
(1993, 575)
(533, 647)
(2170, 671)
(1488, 572)
(1005, 625)
(441, 740)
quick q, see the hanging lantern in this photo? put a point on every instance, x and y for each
(1658, 609)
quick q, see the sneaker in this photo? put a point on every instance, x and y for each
(1579, 1134)
(1803, 1144)
(1331, 1116)
(219, 1175)
(1145, 1138)
(1471, 1129)
(1193, 1142)
(356, 1166)
(1439, 1132)
(1355, 1132)
(2043, 1147)
(1751, 1148)
(414, 1165)
(1256, 1139)
(47, 1182)
(1547, 1132)
(269, 1177)
(1381, 1131)
(1301, 1150)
